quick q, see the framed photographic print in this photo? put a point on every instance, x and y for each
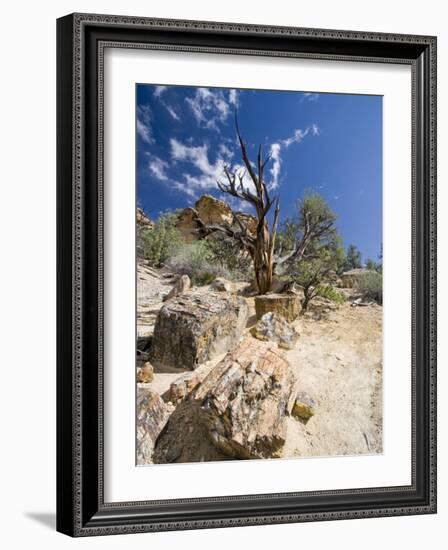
(246, 274)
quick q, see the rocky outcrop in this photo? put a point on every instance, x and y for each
(152, 415)
(186, 225)
(196, 327)
(274, 328)
(285, 305)
(304, 406)
(143, 225)
(212, 211)
(180, 287)
(241, 407)
(222, 285)
(145, 374)
(350, 279)
(143, 222)
(152, 286)
(248, 221)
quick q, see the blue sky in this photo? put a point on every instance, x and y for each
(330, 143)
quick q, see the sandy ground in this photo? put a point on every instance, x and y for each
(337, 360)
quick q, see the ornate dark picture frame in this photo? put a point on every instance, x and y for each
(81, 509)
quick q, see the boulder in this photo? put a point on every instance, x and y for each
(152, 415)
(142, 358)
(180, 287)
(222, 285)
(182, 387)
(248, 221)
(351, 278)
(304, 406)
(275, 328)
(212, 211)
(286, 305)
(197, 326)
(240, 408)
(145, 374)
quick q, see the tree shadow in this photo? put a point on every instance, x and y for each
(48, 519)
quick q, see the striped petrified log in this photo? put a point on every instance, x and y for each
(240, 407)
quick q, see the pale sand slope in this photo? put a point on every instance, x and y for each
(338, 361)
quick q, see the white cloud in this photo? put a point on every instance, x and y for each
(297, 137)
(276, 148)
(197, 156)
(158, 90)
(144, 129)
(209, 107)
(172, 112)
(157, 167)
(233, 97)
(276, 165)
(184, 189)
(310, 96)
(208, 173)
(225, 152)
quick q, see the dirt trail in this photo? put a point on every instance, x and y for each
(338, 361)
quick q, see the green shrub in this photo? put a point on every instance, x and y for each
(329, 292)
(371, 286)
(162, 242)
(228, 255)
(195, 260)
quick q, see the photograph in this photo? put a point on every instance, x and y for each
(259, 274)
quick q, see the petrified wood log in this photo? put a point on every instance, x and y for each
(196, 327)
(152, 415)
(241, 408)
(286, 305)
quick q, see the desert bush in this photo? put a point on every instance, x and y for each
(195, 260)
(228, 254)
(353, 258)
(329, 292)
(371, 286)
(311, 273)
(162, 242)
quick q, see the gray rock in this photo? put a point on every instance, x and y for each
(304, 406)
(273, 327)
(196, 327)
(221, 285)
(180, 287)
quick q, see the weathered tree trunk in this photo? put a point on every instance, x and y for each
(260, 246)
(263, 264)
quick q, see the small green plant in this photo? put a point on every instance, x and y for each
(371, 286)
(162, 242)
(195, 260)
(228, 254)
(329, 292)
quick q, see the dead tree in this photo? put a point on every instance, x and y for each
(316, 223)
(260, 245)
